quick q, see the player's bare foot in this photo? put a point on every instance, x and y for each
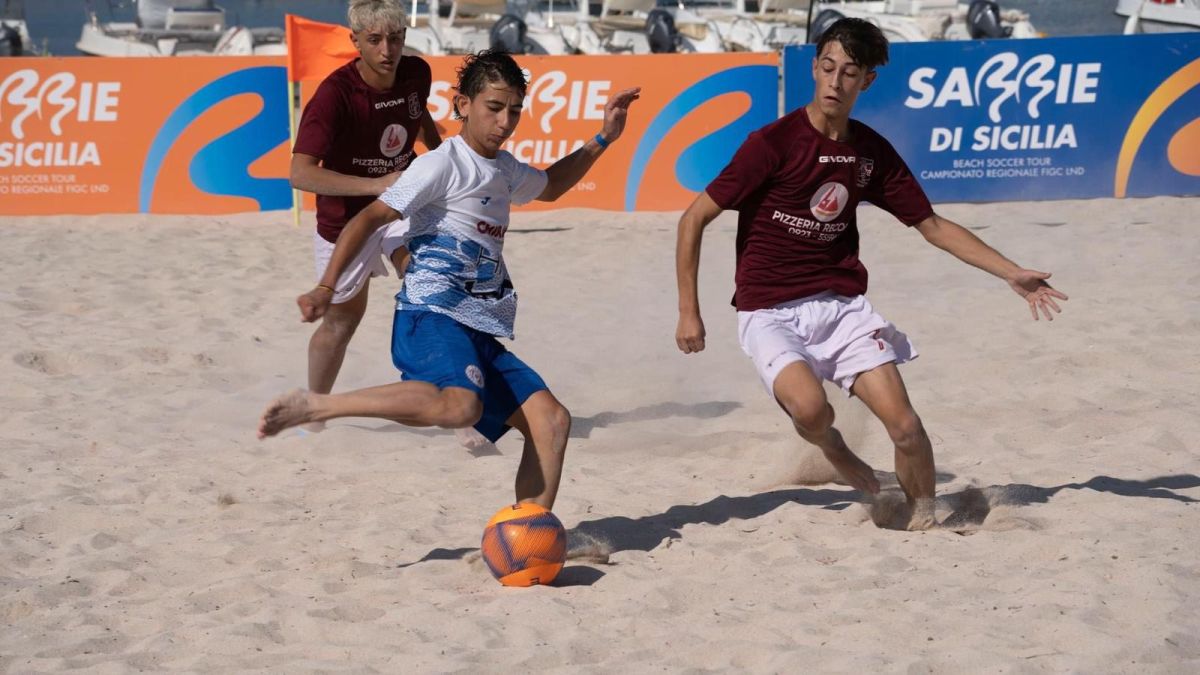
(853, 470)
(289, 410)
(313, 427)
(471, 439)
(923, 517)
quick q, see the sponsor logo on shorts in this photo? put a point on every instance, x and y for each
(475, 375)
(828, 201)
(393, 140)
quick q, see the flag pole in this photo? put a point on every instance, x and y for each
(291, 144)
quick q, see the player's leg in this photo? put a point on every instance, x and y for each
(802, 397)
(443, 382)
(516, 396)
(882, 390)
(546, 424)
(327, 347)
(413, 403)
(777, 341)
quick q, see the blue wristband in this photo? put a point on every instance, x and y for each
(601, 142)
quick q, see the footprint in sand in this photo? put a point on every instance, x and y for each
(349, 613)
(48, 363)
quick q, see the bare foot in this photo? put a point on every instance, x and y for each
(471, 439)
(853, 470)
(923, 517)
(286, 411)
(313, 427)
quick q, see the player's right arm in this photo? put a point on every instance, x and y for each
(314, 303)
(308, 175)
(689, 333)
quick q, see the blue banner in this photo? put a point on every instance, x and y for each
(1053, 118)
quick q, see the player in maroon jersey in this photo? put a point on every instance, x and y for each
(355, 137)
(800, 288)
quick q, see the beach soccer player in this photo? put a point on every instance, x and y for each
(355, 137)
(799, 284)
(458, 297)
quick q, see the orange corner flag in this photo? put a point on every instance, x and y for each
(315, 49)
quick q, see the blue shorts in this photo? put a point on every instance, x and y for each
(431, 347)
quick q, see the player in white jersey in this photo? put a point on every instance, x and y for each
(453, 208)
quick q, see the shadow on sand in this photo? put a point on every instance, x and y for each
(969, 508)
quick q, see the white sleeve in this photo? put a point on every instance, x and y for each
(425, 181)
(527, 182)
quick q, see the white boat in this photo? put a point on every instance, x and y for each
(643, 27)
(178, 28)
(14, 32)
(788, 22)
(519, 28)
(1159, 16)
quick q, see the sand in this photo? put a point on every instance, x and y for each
(143, 527)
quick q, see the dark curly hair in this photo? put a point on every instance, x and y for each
(862, 40)
(487, 66)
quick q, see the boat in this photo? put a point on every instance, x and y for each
(177, 28)
(790, 21)
(1159, 16)
(14, 32)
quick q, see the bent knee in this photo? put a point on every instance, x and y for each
(559, 419)
(907, 431)
(549, 418)
(811, 416)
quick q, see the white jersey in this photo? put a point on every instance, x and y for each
(456, 203)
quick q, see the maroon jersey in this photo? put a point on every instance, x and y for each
(796, 193)
(357, 130)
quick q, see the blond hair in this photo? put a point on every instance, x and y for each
(367, 14)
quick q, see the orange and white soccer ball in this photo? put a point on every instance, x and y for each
(524, 545)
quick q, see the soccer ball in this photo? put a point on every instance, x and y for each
(524, 545)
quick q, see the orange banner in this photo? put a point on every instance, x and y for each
(177, 135)
(695, 110)
(210, 135)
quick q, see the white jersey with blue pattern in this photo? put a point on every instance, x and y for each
(457, 203)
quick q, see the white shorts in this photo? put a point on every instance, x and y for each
(370, 261)
(839, 337)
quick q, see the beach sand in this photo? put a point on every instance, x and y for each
(143, 527)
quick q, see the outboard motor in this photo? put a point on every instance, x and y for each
(983, 20)
(10, 41)
(825, 19)
(508, 34)
(661, 32)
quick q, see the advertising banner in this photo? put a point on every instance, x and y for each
(694, 112)
(177, 135)
(1054, 118)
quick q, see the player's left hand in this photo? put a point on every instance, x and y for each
(1031, 285)
(314, 303)
(615, 112)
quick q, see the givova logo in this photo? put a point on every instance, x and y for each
(701, 161)
(222, 166)
(1170, 113)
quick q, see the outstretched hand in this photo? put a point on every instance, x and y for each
(615, 112)
(314, 303)
(1031, 285)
